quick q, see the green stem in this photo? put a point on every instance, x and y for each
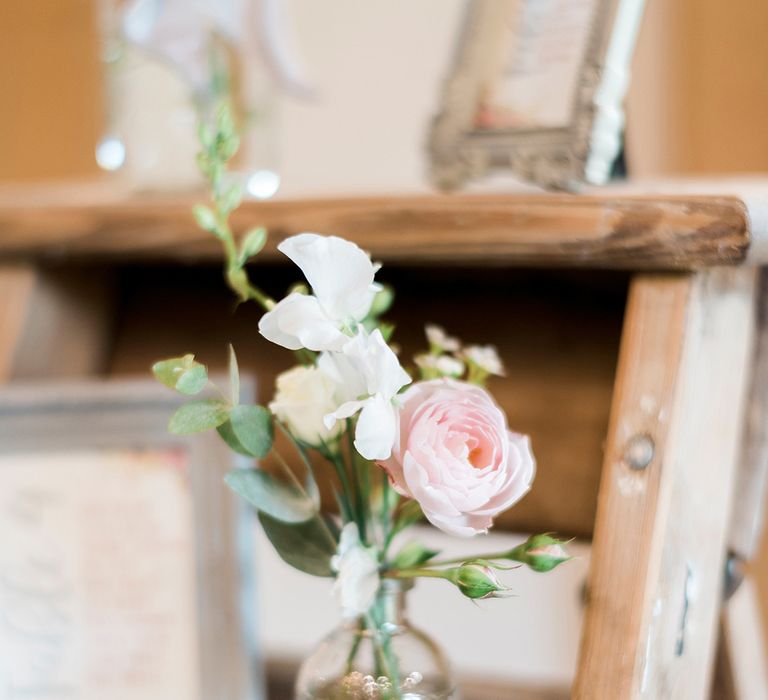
(382, 644)
(355, 648)
(413, 573)
(361, 500)
(387, 515)
(508, 554)
(341, 472)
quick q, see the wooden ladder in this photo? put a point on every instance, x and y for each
(686, 455)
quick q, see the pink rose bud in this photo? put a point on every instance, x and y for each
(474, 580)
(456, 456)
(540, 552)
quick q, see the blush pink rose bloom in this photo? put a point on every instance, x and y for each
(456, 456)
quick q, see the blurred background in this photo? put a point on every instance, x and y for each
(347, 112)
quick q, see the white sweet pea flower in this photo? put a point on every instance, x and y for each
(368, 376)
(486, 357)
(442, 365)
(357, 573)
(304, 396)
(438, 338)
(341, 277)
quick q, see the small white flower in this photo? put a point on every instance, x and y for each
(341, 276)
(438, 338)
(357, 573)
(304, 396)
(444, 365)
(368, 376)
(486, 357)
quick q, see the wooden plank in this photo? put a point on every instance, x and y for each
(752, 479)
(742, 664)
(17, 285)
(659, 545)
(53, 323)
(616, 231)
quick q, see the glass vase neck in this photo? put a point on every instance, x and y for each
(389, 606)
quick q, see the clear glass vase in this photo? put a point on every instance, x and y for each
(378, 656)
(167, 63)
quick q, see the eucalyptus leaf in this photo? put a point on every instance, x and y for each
(228, 435)
(310, 484)
(278, 499)
(197, 416)
(306, 546)
(182, 374)
(252, 426)
(413, 554)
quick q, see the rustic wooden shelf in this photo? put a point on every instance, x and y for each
(620, 230)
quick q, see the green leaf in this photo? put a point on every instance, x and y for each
(228, 435)
(205, 135)
(253, 242)
(278, 499)
(413, 554)
(387, 330)
(307, 546)
(182, 374)
(252, 426)
(198, 416)
(234, 377)
(205, 218)
(382, 301)
(231, 199)
(409, 515)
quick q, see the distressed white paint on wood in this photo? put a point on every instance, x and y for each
(659, 546)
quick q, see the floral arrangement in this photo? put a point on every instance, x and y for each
(403, 445)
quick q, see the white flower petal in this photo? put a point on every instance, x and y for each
(298, 321)
(346, 410)
(387, 376)
(339, 272)
(344, 371)
(357, 570)
(376, 428)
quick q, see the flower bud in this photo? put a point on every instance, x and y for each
(475, 580)
(541, 553)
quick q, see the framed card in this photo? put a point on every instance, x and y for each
(537, 87)
(124, 560)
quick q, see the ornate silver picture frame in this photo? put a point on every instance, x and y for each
(125, 563)
(536, 88)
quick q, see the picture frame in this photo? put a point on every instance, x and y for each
(125, 563)
(536, 88)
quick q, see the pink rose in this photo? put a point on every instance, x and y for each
(455, 455)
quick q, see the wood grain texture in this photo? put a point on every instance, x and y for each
(659, 544)
(625, 232)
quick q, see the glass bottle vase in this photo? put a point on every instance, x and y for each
(378, 656)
